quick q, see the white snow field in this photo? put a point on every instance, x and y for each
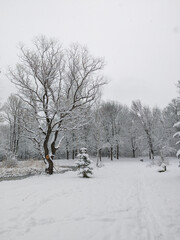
(125, 200)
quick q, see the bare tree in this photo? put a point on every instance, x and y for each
(13, 112)
(58, 86)
(114, 118)
(97, 133)
(109, 111)
(133, 132)
(145, 118)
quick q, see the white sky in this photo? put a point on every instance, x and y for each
(140, 40)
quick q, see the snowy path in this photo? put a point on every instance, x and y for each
(124, 201)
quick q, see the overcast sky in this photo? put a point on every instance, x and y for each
(139, 39)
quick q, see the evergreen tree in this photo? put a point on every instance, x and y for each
(83, 164)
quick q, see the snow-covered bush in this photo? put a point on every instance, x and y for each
(163, 168)
(10, 161)
(84, 164)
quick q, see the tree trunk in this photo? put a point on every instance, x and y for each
(49, 170)
(85, 175)
(151, 151)
(98, 158)
(48, 158)
(73, 154)
(108, 153)
(67, 154)
(151, 154)
(111, 153)
(134, 153)
(100, 154)
(117, 151)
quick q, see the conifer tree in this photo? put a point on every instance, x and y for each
(84, 164)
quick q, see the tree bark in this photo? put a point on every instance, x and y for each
(67, 154)
(151, 154)
(49, 170)
(134, 153)
(151, 151)
(73, 154)
(117, 151)
(48, 158)
(111, 153)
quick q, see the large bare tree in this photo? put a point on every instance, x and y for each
(58, 87)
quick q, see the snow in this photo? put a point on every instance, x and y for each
(22, 168)
(27, 168)
(178, 153)
(177, 134)
(176, 125)
(124, 200)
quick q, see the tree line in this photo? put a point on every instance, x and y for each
(112, 130)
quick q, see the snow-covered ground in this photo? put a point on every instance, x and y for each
(125, 200)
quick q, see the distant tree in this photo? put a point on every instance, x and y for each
(97, 132)
(114, 120)
(59, 86)
(12, 114)
(145, 117)
(134, 134)
(121, 129)
(157, 130)
(109, 112)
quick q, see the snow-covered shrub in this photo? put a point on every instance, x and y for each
(10, 161)
(163, 168)
(84, 164)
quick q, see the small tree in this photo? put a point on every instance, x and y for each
(83, 164)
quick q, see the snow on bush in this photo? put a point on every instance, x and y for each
(84, 164)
